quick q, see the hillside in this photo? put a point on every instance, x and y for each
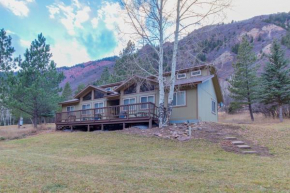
(85, 73)
(211, 44)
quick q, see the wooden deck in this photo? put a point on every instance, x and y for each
(122, 114)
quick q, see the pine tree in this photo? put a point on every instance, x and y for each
(34, 89)
(80, 88)
(275, 80)
(67, 92)
(105, 77)
(243, 86)
(6, 51)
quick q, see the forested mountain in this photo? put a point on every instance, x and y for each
(216, 45)
(86, 73)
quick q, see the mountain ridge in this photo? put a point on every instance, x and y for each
(216, 44)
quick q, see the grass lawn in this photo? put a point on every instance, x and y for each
(116, 162)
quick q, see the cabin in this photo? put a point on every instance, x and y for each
(135, 101)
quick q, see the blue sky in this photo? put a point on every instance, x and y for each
(77, 30)
(83, 30)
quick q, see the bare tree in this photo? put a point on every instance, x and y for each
(155, 22)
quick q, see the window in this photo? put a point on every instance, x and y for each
(129, 101)
(97, 106)
(181, 76)
(88, 96)
(146, 99)
(213, 106)
(108, 89)
(179, 98)
(70, 108)
(146, 87)
(196, 73)
(98, 94)
(131, 89)
(84, 109)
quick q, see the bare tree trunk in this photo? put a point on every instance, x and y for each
(160, 70)
(281, 112)
(251, 112)
(173, 66)
(34, 121)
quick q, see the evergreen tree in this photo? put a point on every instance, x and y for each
(34, 89)
(105, 78)
(125, 66)
(67, 92)
(6, 51)
(80, 88)
(243, 86)
(275, 80)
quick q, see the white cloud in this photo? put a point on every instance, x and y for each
(25, 43)
(68, 53)
(18, 8)
(71, 16)
(115, 18)
(95, 22)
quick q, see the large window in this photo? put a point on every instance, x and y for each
(213, 106)
(131, 89)
(97, 106)
(179, 99)
(146, 99)
(88, 97)
(84, 109)
(98, 94)
(146, 87)
(70, 108)
(129, 101)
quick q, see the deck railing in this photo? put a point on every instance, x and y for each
(138, 110)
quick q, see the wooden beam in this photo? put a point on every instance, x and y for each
(88, 128)
(150, 123)
(102, 127)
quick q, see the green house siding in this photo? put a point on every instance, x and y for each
(188, 112)
(206, 94)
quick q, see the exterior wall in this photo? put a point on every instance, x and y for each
(138, 95)
(204, 72)
(206, 94)
(78, 106)
(189, 111)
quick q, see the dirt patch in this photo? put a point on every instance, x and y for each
(213, 132)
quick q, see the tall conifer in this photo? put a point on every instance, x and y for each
(275, 80)
(243, 86)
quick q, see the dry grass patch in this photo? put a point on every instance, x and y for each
(118, 162)
(13, 132)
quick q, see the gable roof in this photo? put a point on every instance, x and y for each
(89, 87)
(193, 80)
(72, 101)
(133, 80)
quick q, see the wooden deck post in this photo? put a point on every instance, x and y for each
(150, 123)
(102, 127)
(71, 128)
(124, 126)
(88, 128)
